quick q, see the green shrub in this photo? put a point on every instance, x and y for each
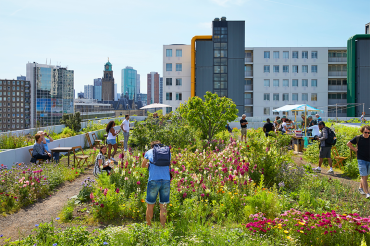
(351, 169)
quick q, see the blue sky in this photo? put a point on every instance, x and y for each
(81, 34)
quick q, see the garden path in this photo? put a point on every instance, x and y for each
(338, 174)
(24, 221)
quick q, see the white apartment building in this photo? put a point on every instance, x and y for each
(89, 91)
(275, 77)
(176, 75)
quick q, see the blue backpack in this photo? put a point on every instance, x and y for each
(161, 155)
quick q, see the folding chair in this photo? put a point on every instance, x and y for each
(95, 139)
(39, 160)
(87, 136)
(339, 159)
(80, 158)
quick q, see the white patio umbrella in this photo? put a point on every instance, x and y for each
(155, 105)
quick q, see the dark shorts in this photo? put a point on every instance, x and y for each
(325, 152)
(155, 186)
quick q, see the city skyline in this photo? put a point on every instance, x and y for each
(268, 23)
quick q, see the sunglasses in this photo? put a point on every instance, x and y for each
(366, 132)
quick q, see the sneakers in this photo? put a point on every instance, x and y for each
(367, 196)
(317, 170)
(361, 191)
(330, 171)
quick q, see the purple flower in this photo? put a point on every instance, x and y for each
(37, 225)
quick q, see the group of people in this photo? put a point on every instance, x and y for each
(41, 150)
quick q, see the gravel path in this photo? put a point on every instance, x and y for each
(23, 222)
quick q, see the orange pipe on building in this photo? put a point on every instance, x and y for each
(192, 78)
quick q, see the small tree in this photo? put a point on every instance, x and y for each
(73, 121)
(209, 116)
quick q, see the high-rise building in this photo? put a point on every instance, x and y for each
(89, 91)
(108, 83)
(51, 93)
(21, 77)
(14, 105)
(152, 87)
(129, 81)
(137, 86)
(115, 92)
(97, 89)
(161, 90)
(80, 95)
(97, 82)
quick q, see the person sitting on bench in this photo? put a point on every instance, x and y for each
(39, 151)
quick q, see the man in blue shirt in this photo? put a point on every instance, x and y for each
(318, 118)
(158, 182)
(45, 139)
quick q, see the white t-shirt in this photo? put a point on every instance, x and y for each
(315, 130)
(126, 125)
(283, 129)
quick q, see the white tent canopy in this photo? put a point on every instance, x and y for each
(155, 105)
(296, 107)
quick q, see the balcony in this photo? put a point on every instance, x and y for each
(27, 85)
(248, 101)
(337, 101)
(26, 90)
(249, 59)
(337, 88)
(248, 73)
(27, 106)
(248, 87)
(337, 59)
(337, 73)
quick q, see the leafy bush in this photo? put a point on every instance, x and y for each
(351, 169)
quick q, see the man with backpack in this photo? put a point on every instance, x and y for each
(157, 160)
(326, 138)
(363, 157)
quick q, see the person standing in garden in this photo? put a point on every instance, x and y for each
(363, 117)
(268, 127)
(243, 125)
(318, 118)
(39, 151)
(157, 160)
(363, 157)
(111, 139)
(325, 149)
(125, 126)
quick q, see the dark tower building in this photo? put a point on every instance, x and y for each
(108, 83)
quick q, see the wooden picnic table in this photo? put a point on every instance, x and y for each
(62, 149)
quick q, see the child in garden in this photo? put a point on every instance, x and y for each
(100, 161)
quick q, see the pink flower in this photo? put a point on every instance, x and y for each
(117, 190)
(102, 205)
(202, 195)
(126, 178)
(138, 183)
(105, 192)
(91, 196)
(32, 183)
(184, 195)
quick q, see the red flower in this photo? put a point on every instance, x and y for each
(138, 183)
(102, 205)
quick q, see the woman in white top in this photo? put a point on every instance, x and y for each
(111, 139)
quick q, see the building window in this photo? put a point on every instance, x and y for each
(168, 53)
(168, 66)
(266, 69)
(314, 97)
(168, 81)
(276, 54)
(169, 96)
(178, 81)
(286, 54)
(313, 82)
(305, 82)
(276, 83)
(304, 69)
(275, 97)
(266, 96)
(314, 69)
(266, 111)
(295, 69)
(266, 54)
(304, 96)
(266, 83)
(285, 97)
(285, 69)
(168, 110)
(178, 96)
(295, 82)
(179, 67)
(314, 54)
(285, 82)
(295, 96)
(295, 54)
(276, 68)
(179, 53)
(304, 54)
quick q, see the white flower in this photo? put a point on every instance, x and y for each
(208, 190)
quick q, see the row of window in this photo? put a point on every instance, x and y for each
(169, 52)
(169, 96)
(14, 82)
(13, 104)
(12, 115)
(13, 126)
(14, 99)
(276, 82)
(178, 67)
(13, 110)
(169, 81)
(11, 93)
(13, 88)
(276, 68)
(276, 54)
(13, 121)
(276, 97)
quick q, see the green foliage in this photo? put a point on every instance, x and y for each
(209, 116)
(73, 121)
(351, 169)
(66, 214)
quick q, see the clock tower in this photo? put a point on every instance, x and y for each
(108, 83)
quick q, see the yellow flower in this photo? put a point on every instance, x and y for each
(235, 193)
(301, 223)
(285, 231)
(170, 204)
(289, 237)
(344, 214)
(229, 193)
(301, 231)
(221, 204)
(280, 225)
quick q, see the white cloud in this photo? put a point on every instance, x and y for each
(224, 3)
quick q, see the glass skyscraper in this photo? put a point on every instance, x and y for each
(129, 82)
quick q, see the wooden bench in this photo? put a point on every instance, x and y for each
(339, 159)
